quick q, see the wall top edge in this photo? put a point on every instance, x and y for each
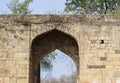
(65, 18)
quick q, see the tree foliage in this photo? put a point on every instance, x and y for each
(47, 62)
(17, 7)
(92, 6)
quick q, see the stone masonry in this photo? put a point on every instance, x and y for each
(92, 41)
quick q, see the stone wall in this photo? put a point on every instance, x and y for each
(97, 38)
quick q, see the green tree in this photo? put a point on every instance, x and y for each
(47, 62)
(93, 6)
(17, 7)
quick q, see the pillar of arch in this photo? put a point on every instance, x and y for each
(47, 42)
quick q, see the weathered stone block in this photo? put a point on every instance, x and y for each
(103, 58)
(22, 80)
(96, 66)
(7, 80)
(117, 51)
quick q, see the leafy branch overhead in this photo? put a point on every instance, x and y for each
(17, 7)
(93, 6)
(47, 62)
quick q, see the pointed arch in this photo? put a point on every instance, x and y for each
(50, 41)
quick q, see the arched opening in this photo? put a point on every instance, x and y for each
(46, 43)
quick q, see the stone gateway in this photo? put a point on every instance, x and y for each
(92, 41)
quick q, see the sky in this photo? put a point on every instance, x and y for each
(38, 6)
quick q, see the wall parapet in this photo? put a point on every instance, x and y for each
(95, 20)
